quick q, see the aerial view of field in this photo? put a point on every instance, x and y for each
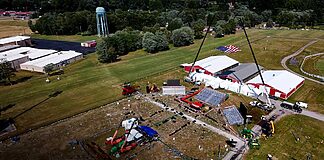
(131, 96)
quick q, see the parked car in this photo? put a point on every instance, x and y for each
(255, 103)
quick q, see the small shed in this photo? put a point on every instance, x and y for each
(173, 87)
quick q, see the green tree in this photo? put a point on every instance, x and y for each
(49, 68)
(175, 24)
(6, 72)
(182, 37)
(266, 15)
(153, 43)
(198, 27)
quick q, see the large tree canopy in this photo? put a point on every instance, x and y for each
(182, 37)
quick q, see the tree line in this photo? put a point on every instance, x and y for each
(128, 40)
(258, 6)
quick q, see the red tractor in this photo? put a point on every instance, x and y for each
(129, 89)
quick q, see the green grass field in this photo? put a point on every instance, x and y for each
(319, 65)
(88, 83)
(283, 144)
(72, 38)
(314, 65)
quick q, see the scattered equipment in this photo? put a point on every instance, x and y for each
(151, 88)
(268, 128)
(134, 135)
(129, 89)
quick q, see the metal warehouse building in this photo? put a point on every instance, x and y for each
(58, 59)
(279, 83)
(213, 65)
(241, 73)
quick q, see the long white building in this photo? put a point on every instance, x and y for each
(21, 55)
(16, 40)
(58, 59)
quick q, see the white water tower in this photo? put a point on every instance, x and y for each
(102, 25)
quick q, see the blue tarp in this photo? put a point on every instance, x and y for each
(149, 131)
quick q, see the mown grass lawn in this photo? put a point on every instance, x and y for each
(319, 65)
(72, 38)
(87, 84)
(314, 65)
(283, 144)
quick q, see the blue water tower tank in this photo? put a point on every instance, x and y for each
(102, 25)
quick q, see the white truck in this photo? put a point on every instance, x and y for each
(301, 104)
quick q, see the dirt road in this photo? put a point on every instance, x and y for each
(284, 60)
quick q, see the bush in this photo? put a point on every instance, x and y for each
(153, 43)
(120, 43)
(182, 37)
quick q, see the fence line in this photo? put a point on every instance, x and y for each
(309, 74)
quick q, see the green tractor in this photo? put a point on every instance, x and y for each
(254, 143)
(247, 133)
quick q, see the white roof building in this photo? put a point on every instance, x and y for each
(21, 50)
(58, 59)
(14, 59)
(279, 83)
(32, 53)
(35, 53)
(213, 64)
(14, 39)
(11, 57)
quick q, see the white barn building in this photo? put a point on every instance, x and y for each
(279, 83)
(212, 65)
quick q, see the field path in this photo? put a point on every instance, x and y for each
(285, 59)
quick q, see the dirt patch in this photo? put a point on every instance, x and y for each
(60, 140)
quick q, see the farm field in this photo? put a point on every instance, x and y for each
(13, 27)
(88, 84)
(283, 144)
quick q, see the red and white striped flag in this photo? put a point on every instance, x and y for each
(232, 49)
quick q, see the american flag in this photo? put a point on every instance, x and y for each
(228, 49)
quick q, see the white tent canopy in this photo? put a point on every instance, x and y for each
(215, 83)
